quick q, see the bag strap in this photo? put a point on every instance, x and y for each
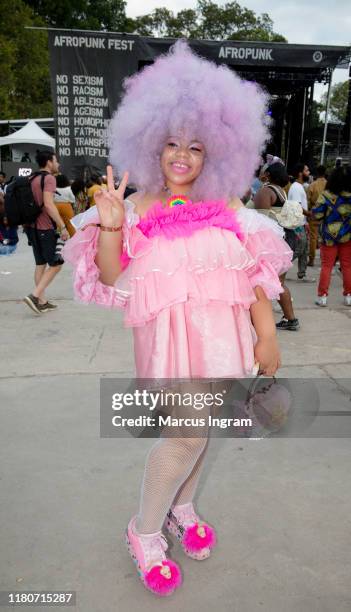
(278, 191)
(252, 389)
(43, 174)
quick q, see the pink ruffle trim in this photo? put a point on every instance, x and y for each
(80, 252)
(212, 264)
(272, 257)
(185, 220)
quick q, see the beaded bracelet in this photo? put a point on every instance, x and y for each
(103, 227)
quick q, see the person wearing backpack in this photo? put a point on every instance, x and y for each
(45, 231)
(272, 196)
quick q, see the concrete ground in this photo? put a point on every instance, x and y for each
(281, 507)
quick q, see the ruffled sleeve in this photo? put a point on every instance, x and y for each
(80, 251)
(264, 240)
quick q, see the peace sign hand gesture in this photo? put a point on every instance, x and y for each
(110, 202)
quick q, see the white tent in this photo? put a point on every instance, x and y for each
(31, 133)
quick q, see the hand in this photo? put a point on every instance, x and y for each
(110, 202)
(267, 354)
(64, 235)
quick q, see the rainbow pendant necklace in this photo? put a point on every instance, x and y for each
(176, 200)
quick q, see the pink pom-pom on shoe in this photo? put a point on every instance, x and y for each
(159, 575)
(199, 536)
(196, 537)
(163, 580)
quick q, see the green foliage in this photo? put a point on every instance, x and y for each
(316, 109)
(208, 21)
(338, 101)
(25, 79)
(24, 85)
(104, 15)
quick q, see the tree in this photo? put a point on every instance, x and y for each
(338, 101)
(25, 83)
(25, 79)
(315, 118)
(208, 21)
(104, 15)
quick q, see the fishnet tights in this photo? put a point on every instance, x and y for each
(172, 470)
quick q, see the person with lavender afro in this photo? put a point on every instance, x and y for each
(193, 270)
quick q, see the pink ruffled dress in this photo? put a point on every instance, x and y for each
(187, 284)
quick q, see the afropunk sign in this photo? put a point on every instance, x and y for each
(88, 69)
(254, 53)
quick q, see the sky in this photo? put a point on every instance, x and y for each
(320, 22)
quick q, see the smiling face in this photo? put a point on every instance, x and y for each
(182, 161)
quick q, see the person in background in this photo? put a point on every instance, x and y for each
(129, 190)
(8, 235)
(64, 189)
(64, 200)
(44, 233)
(297, 193)
(95, 184)
(269, 196)
(313, 192)
(333, 210)
(79, 191)
(25, 158)
(2, 181)
(256, 183)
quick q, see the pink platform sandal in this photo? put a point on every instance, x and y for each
(159, 574)
(196, 537)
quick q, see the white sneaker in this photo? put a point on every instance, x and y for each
(322, 300)
(347, 300)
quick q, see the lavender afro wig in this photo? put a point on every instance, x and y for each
(182, 93)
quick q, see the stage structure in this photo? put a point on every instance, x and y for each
(88, 68)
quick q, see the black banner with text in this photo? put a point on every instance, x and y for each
(88, 69)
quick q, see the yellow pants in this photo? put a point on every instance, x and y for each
(66, 213)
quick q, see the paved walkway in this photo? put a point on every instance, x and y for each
(281, 507)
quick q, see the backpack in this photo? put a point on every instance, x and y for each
(20, 205)
(290, 215)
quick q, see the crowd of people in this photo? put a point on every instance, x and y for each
(60, 200)
(326, 225)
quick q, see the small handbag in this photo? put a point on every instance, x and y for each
(267, 407)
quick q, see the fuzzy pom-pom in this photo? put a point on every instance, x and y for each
(160, 584)
(184, 94)
(194, 542)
